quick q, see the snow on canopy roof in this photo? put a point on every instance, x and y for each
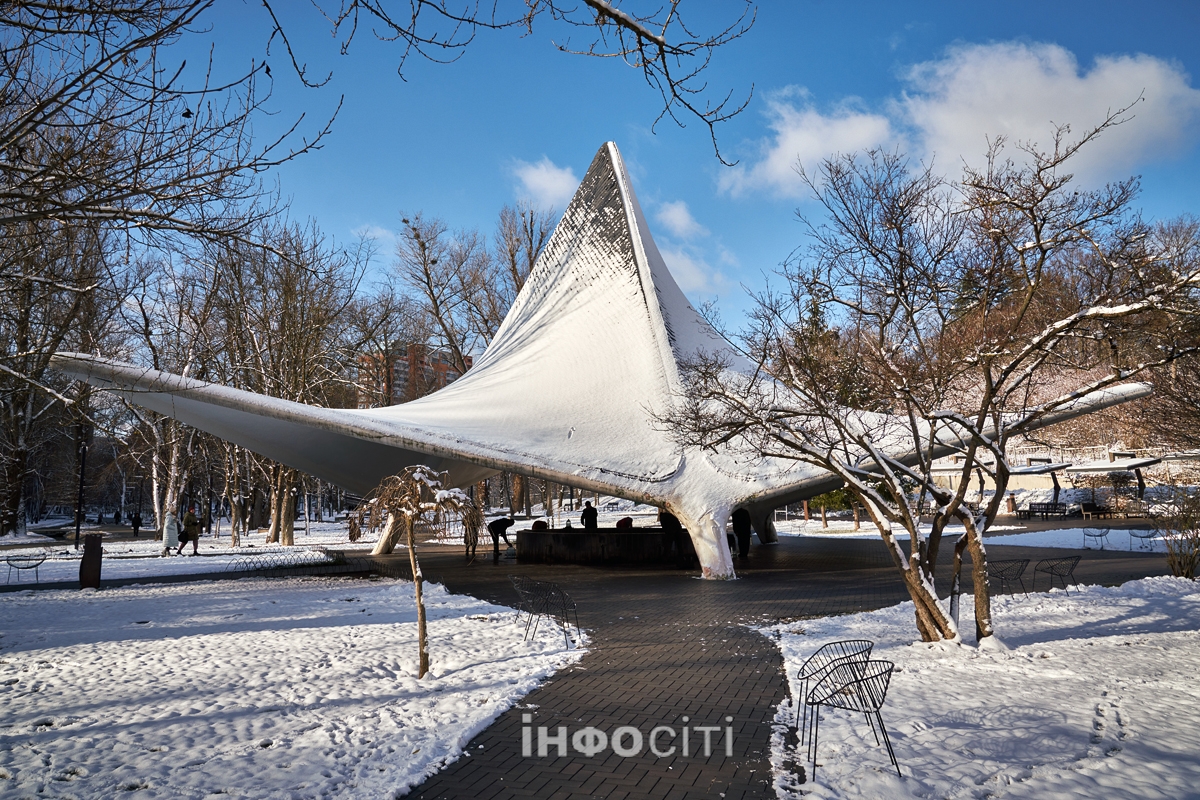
(1041, 469)
(1117, 465)
(572, 388)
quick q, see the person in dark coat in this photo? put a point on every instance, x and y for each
(588, 518)
(677, 536)
(191, 531)
(742, 530)
(498, 528)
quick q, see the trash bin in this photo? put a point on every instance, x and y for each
(89, 566)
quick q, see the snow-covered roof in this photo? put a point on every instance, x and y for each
(1041, 469)
(1117, 465)
(572, 389)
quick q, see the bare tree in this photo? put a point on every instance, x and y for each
(399, 503)
(282, 317)
(98, 124)
(656, 40)
(55, 293)
(441, 270)
(387, 323)
(927, 320)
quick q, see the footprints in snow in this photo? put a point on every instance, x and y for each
(1108, 727)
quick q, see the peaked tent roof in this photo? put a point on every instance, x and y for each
(570, 389)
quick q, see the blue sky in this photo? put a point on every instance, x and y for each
(516, 118)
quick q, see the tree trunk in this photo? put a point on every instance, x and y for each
(418, 581)
(273, 529)
(932, 621)
(287, 506)
(519, 491)
(15, 465)
(392, 532)
(979, 576)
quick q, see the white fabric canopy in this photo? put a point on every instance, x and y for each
(572, 389)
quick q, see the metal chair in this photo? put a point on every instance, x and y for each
(544, 599)
(1007, 571)
(854, 686)
(1096, 536)
(818, 665)
(1062, 568)
(1145, 537)
(24, 561)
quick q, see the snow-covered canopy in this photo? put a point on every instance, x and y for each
(572, 389)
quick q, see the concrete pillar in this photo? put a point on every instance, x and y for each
(763, 520)
(706, 526)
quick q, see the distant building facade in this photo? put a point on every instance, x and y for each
(406, 373)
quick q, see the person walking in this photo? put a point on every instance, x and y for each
(191, 532)
(170, 533)
(588, 518)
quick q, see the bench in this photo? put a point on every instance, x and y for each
(24, 561)
(1047, 510)
(1092, 510)
(1062, 568)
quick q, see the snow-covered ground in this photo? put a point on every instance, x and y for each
(143, 558)
(999, 535)
(251, 688)
(1095, 697)
(1073, 538)
(844, 528)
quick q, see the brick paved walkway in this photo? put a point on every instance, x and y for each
(666, 645)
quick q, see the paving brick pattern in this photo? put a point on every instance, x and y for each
(666, 645)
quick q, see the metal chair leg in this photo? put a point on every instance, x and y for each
(887, 740)
(813, 743)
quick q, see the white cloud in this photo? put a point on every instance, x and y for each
(545, 183)
(677, 219)
(953, 104)
(692, 272)
(1022, 91)
(385, 239)
(804, 135)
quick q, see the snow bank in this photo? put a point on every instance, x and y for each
(252, 688)
(1095, 696)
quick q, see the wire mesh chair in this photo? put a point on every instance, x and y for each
(854, 686)
(544, 599)
(818, 665)
(1095, 536)
(1007, 571)
(24, 561)
(1062, 568)
(1145, 537)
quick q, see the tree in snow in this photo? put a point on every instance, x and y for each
(927, 319)
(399, 503)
